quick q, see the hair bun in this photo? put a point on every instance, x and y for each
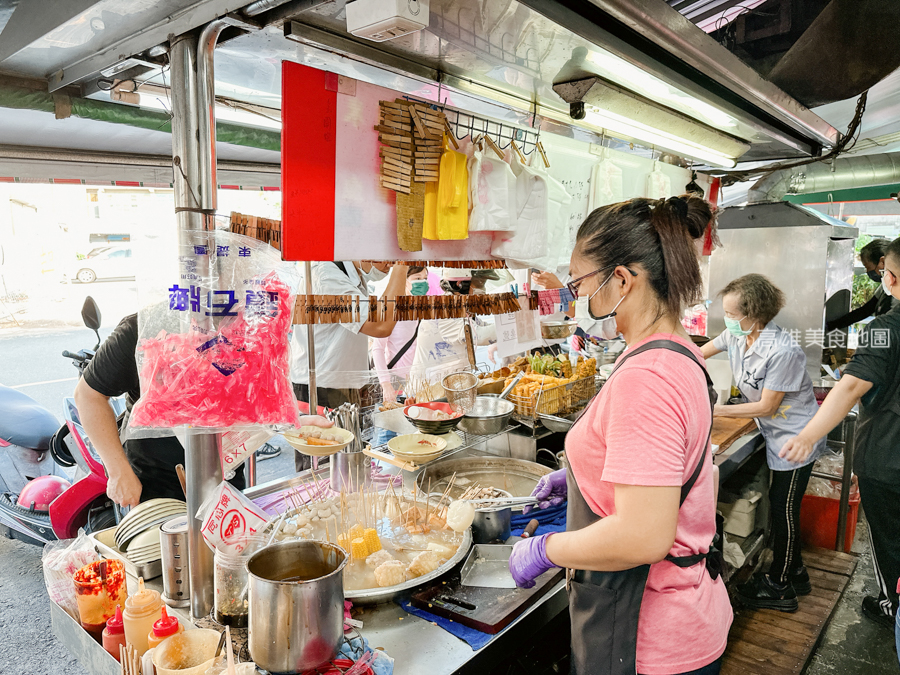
(679, 206)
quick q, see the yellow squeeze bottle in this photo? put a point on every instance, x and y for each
(142, 610)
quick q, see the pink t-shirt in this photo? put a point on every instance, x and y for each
(648, 426)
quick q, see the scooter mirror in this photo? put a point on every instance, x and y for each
(90, 314)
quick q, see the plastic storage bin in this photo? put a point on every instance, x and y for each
(819, 521)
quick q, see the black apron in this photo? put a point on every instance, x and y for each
(604, 607)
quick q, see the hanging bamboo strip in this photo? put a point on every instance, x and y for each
(264, 229)
(451, 264)
(322, 309)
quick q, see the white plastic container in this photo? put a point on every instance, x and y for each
(740, 515)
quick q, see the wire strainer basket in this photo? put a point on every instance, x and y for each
(460, 389)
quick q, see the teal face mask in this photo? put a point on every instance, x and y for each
(419, 287)
(734, 327)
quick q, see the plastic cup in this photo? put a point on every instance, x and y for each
(99, 587)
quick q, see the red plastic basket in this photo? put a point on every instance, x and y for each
(819, 521)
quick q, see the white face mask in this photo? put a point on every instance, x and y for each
(374, 274)
(884, 285)
(602, 326)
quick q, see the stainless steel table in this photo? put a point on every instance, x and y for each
(418, 646)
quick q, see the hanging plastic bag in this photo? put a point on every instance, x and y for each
(60, 560)
(229, 519)
(659, 185)
(492, 192)
(558, 209)
(213, 350)
(606, 183)
(527, 244)
(447, 204)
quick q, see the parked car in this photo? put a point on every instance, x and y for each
(113, 263)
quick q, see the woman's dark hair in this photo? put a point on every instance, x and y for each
(701, 215)
(413, 270)
(656, 235)
(759, 298)
(874, 251)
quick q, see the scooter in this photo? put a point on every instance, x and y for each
(38, 502)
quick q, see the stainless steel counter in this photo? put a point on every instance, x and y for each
(740, 452)
(418, 646)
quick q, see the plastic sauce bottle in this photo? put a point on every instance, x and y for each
(114, 633)
(165, 627)
(142, 610)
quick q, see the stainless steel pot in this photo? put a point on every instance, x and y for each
(296, 605)
(490, 415)
(348, 471)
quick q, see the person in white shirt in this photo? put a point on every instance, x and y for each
(341, 349)
(441, 344)
(393, 355)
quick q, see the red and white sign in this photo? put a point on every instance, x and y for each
(229, 519)
(333, 204)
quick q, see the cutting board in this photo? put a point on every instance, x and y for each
(726, 430)
(489, 610)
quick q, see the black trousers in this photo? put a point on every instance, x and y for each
(785, 496)
(881, 504)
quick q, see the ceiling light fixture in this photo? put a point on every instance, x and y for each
(620, 111)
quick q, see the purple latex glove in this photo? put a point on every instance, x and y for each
(551, 490)
(528, 560)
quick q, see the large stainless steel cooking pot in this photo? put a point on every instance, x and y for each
(296, 605)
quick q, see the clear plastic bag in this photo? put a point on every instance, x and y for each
(213, 350)
(831, 463)
(60, 560)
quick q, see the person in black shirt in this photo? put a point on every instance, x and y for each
(872, 379)
(144, 468)
(872, 257)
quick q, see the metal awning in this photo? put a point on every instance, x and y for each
(507, 52)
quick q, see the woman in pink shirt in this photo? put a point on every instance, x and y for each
(393, 355)
(645, 595)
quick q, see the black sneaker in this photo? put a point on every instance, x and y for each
(762, 593)
(873, 610)
(799, 579)
(268, 451)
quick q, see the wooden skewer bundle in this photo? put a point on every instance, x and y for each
(412, 137)
(263, 229)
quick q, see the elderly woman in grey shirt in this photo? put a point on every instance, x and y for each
(769, 369)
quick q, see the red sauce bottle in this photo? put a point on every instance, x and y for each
(163, 628)
(114, 633)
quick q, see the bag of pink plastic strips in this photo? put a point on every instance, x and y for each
(214, 353)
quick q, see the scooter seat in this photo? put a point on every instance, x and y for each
(24, 421)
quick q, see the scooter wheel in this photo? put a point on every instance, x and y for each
(8, 503)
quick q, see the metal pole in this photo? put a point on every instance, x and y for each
(250, 470)
(844, 506)
(202, 467)
(311, 347)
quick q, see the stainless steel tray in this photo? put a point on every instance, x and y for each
(488, 566)
(105, 543)
(374, 596)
